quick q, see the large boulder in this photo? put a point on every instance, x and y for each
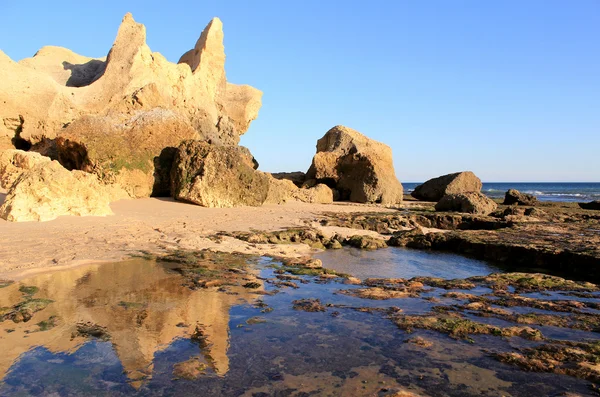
(359, 168)
(216, 176)
(133, 101)
(513, 196)
(436, 188)
(592, 205)
(469, 202)
(47, 190)
(14, 162)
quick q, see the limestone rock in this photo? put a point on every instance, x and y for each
(359, 168)
(513, 196)
(124, 150)
(436, 188)
(58, 88)
(66, 67)
(283, 190)
(468, 202)
(14, 162)
(592, 205)
(298, 177)
(47, 191)
(216, 176)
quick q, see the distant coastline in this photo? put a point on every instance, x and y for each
(544, 191)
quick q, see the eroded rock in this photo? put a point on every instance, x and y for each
(359, 168)
(216, 176)
(436, 188)
(469, 202)
(48, 190)
(138, 104)
(513, 196)
(284, 190)
(14, 162)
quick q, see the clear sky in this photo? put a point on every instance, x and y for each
(509, 89)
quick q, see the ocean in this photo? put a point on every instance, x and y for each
(544, 191)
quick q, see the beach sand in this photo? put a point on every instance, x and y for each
(153, 225)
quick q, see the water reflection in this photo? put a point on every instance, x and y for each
(403, 263)
(155, 336)
(142, 307)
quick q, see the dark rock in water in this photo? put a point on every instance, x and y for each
(593, 205)
(308, 305)
(513, 196)
(404, 237)
(297, 177)
(469, 202)
(366, 242)
(436, 188)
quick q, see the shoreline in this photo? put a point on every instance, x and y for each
(152, 225)
(158, 225)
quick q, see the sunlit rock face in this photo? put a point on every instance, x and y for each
(90, 105)
(140, 307)
(360, 169)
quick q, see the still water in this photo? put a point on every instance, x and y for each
(253, 342)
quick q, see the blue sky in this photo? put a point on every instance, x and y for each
(507, 89)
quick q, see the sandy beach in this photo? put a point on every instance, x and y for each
(153, 225)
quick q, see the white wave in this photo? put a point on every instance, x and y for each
(535, 192)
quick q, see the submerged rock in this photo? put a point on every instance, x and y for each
(359, 168)
(436, 188)
(469, 202)
(513, 196)
(308, 305)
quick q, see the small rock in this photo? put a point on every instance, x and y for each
(470, 202)
(513, 196)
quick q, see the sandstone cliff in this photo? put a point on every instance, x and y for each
(134, 101)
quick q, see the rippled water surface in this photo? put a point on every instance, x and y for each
(252, 342)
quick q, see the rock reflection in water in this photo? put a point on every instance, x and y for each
(155, 334)
(141, 306)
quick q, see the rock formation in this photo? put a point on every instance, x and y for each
(436, 188)
(592, 205)
(513, 196)
(14, 162)
(216, 176)
(468, 202)
(298, 177)
(47, 190)
(114, 116)
(358, 168)
(284, 190)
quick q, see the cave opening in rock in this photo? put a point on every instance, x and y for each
(20, 143)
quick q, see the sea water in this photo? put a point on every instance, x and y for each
(544, 191)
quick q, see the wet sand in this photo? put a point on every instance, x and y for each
(151, 224)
